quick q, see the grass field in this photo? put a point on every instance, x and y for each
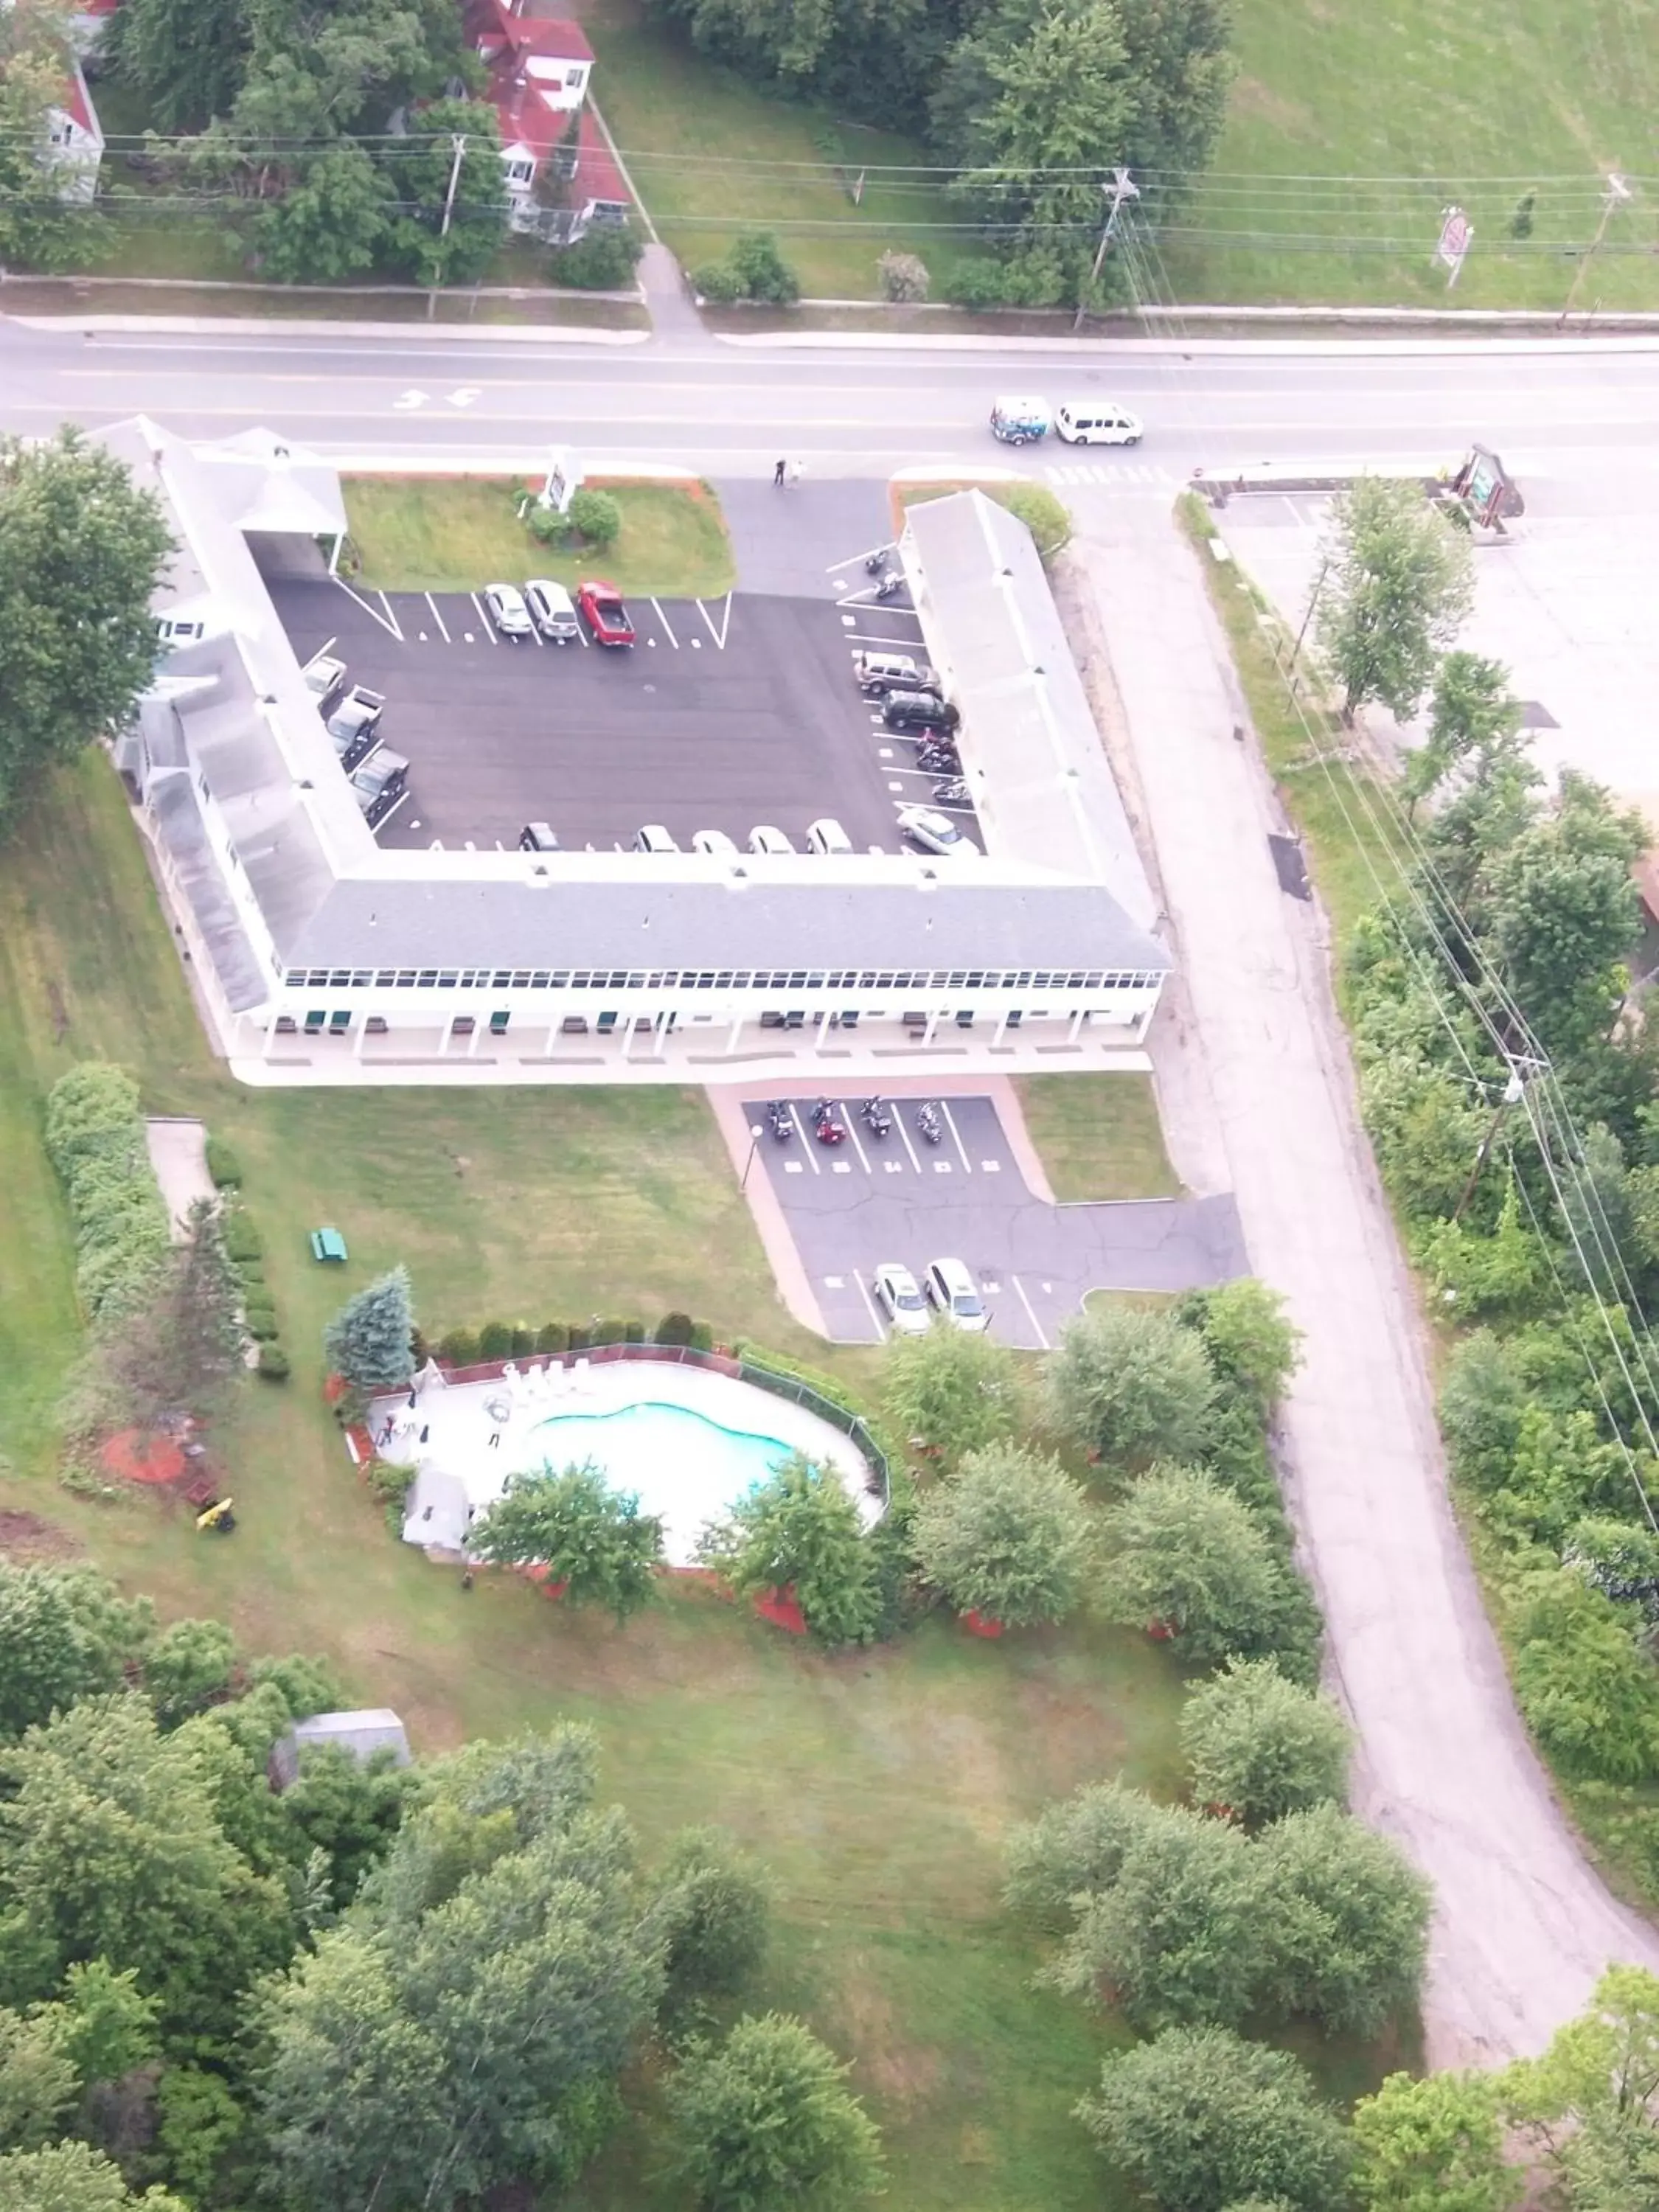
(1350, 129)
(711, 155)
(451, 533)
(878, 1785)
(1098, 1135)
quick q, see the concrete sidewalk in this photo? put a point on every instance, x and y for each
(1523, 1926)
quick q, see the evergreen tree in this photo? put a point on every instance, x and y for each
(369, 1341)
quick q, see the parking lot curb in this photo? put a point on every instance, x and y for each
(267, 326)
(779, 1245)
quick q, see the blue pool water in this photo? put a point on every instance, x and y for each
(686, 1468)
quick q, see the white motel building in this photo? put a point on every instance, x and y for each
(320, 957)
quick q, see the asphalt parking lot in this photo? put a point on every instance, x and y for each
(725, 714)
(851, 1207)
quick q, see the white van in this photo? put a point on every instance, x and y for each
(1097, 423)
(827, 835)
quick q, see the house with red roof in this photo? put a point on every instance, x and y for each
(539, 68)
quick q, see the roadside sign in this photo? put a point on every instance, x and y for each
(1457, 233)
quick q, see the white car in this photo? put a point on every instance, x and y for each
(552, 609)
(955, 1292)
(507, 611)
(765, 838)
(937, 831)
(715, 842)
(1097, 423)
(899, 1298)
(654, 838)
(827, 835)
(324, 678)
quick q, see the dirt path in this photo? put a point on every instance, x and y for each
(1523, 1924)
(178, 1152)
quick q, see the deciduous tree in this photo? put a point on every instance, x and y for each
(1472, 714)
(593, 1539)
(1432, 2145)
(1253, 1349)
(1204, 2120)
(1262, 1745)
(1131, 1384)
(328, 224)
(185, 59)
(1009, 1535)
(1398, 584)
(72, 2177)
(1344, 1919)
(81, 551)
(712, 1909)
(800, 1530)
(1185, 1556)
(420, 170)
(951, 1390)
(763, 2123)
(65, 1633)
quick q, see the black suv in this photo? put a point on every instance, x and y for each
(918, 710)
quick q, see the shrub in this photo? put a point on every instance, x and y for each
(1263, 1745)
(260, 1322)
(496, 1341)
(596, 518)
(1032, 279)
(610, 1330)
(524, 1339)
(703, 1336)
(765, 274)
(242, 1241)
(904, 278)
(718, 282)
(387, 1481)
(369, 1340)
(1008, 1536)
(581, 1337)
(546, 524)
(712, 1911)
(634, 1331)
(602, 260)
(674, 1328)
(1131, 1384)
(1190, 1559)
(274, 1363)
(552, 1336)
(799, 1528)
(95, 1140)
(459, 1347)
(222, 1164)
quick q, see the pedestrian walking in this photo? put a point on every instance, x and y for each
(797, 470)
(778, 472)
(494, 1439)
(426, 1432)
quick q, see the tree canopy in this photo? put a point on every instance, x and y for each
(799, 1529)
(1130, 1383)
(1397, 584)
(1183, 1554)
(1261, 1746)
(762, 2122)
(82, 549)
(591, 1538)
(1009, 1535)
(369, 1341)
(953, 1390)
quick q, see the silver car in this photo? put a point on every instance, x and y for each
(553, 611)
(899, 1298)
(926, 826)
(955, 1292)
(507, 610)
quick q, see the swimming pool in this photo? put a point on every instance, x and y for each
(687, 1469)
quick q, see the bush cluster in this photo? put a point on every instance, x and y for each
(755, 269)
(602, 260)
(95, 1140)
(591, 522)
(245, 1249)
(519, 1339)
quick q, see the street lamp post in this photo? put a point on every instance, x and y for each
(1120, 189)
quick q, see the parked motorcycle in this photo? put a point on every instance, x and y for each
(825, 1128)
(876, 1118)
(780, 1122)
(953, 792)
(875, 563)
(929, 1127)
(889, 584)
(938, 754)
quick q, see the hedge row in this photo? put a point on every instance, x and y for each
(246, 1250)
(502, 1339)
(95, 1140)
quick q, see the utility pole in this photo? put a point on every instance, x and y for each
(458, 140)
(1617, 192)
(1120, 189)
(1514, 1091)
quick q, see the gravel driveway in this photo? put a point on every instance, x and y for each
(1523, 1926)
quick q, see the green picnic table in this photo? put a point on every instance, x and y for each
(328, 1244)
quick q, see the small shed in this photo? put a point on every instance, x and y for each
(375, 1727)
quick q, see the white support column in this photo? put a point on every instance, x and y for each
(1076, 1024)
(824, 1029)
(448, 1037)
(659, 1042)
(279, 1007)
(933, 1023)
(334, 557)
(478, 1022)
(1002, 1029)
(735, 1033)
(625, 1030)
(361, 1037)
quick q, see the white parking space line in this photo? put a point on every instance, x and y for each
(870, 1307)
(898, 1123)
(809, 1145)
(846, 1116)
(372, 611)
(489, 627)
(720, 634)
(853, 559)
(903, 644)
(1030, 1315)
(392, 619)
(955, 1137)
(438, 618)
(667, 625)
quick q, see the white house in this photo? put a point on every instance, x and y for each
(540, 68)
(72, 138)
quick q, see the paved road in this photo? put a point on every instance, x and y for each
(1522, 1927)
(1578, 421)
(866, 1200)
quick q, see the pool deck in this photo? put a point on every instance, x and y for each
(464, 1439)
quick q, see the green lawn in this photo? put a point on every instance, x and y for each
(454, 533)
(1098, 1135)
(1420, 106)
(878, 1785)
(790, 167)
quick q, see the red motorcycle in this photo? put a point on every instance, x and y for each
(825, 1128)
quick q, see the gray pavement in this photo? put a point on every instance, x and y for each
(1523, 1926)
(850, 1207)
(785, 538)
